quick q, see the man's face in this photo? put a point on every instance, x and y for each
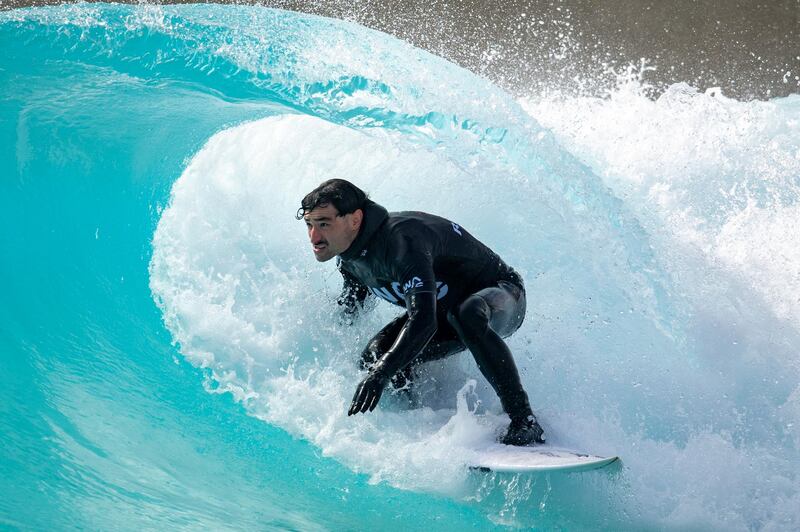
(329, 233)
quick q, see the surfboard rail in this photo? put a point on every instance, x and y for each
(541, 458)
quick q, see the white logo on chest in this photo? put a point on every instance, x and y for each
(414, 282)
(396, 295)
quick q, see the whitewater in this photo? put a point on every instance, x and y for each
(172, 354)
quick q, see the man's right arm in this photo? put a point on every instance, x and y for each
(353, 295)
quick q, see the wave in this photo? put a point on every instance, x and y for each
(166, 149)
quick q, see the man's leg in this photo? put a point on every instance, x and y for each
(481, 321)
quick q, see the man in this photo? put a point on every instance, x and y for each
(458, 294)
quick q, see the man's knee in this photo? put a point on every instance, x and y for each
(471, 318)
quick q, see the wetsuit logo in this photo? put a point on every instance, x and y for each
(396, 295)
(414, 282)
(457, 228)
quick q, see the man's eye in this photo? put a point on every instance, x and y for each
(323, 224)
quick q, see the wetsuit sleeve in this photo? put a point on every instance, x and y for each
(414, 269)
(354, 292)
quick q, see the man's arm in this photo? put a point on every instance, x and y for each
(419, 285)
(413, 337)
(353, 295)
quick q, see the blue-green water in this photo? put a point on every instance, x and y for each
(168, 346)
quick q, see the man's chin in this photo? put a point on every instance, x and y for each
(324, 256)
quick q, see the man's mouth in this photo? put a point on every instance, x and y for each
(320, 246)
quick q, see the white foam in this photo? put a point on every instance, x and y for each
(701, 170)
(235, 276)
(715, 182)
(242, 295)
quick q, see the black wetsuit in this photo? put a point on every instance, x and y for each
(457, 293)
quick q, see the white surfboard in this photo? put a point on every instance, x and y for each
(510, 459)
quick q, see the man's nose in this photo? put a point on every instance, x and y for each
(313, 234)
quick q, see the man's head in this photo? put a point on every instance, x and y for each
(333, 213)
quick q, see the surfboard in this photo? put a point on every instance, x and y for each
(510, 459)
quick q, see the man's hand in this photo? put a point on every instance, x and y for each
(368, 393)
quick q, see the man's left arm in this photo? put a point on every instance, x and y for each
(415, 272)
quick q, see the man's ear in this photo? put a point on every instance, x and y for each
(357, 218)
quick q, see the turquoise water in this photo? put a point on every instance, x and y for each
(170, 353)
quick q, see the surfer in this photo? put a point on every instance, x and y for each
(458, 295)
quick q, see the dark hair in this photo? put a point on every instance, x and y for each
(343, 195)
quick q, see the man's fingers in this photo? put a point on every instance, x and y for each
(374, 402)
(367, 400)
(355, 406)
(362, 407)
